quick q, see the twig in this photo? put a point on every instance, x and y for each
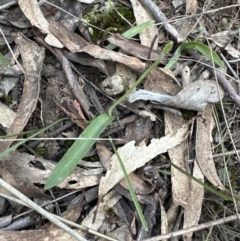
(194, 228)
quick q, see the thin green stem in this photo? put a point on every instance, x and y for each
(167, 48)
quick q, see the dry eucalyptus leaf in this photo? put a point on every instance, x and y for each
(203, 147)
(192, 211)
(134, 157)
(70, 40)
(133, 48)
(33, 12)
(101, 53)
(142, 15)
(32, 57)
(7, 117)
(195, 96)
(177, 155)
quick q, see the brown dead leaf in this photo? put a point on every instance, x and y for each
(33, 12)
(191, 6)
(139, 186)
(105, 54)
(178, 156)
(163, 81)
(134, 157)
(138, 130)
(203, 147)
(70, 40)
(32, 57)
(133, 48)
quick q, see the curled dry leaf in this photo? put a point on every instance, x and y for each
(32, 57)
(194, 97)
(134, 157)
(33, 12)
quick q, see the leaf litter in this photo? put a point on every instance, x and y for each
(28, 173)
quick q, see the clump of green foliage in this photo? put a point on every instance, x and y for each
(104, 15)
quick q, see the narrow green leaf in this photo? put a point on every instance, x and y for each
(211, 189)
(133, 195)
(132, 32)
(78, 150)
(202, 48)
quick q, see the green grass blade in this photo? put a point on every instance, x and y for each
(78, 150)
(132, 32)
(14, 147)
(202, 48)
(133, 195)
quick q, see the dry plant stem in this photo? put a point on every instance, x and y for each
(194, 228)
(38, 209)
(160, 17)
